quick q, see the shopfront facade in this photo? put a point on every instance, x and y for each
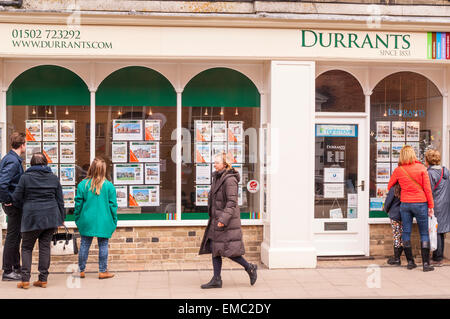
(311, 118)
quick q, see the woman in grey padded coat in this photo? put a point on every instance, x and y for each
(223, 235)
(440, 186)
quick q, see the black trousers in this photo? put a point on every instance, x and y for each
(28, 241)
(438, 254)
(11, 250)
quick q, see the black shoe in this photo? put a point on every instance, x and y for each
(215, 282)
(396, 259)
(425, 249)
(409, 256)
(252, 273)
(12, 276)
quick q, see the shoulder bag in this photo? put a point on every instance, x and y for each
(63, 244)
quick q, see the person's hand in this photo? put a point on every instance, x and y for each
(220, 224)
(430, 212)
(7, 205)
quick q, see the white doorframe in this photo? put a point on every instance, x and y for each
(362, 120)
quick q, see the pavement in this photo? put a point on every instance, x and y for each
(351, 280)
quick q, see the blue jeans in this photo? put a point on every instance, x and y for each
(83, 254)
(420, 212)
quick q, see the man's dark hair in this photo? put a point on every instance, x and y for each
(38, 159)
(17, 140)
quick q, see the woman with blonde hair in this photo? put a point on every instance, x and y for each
(95, 215)
(223, 235)
(416, 201)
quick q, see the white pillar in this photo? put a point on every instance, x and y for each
(291, 188)
(178, 151)
(444, 136)
(92, 141)
(3, 121)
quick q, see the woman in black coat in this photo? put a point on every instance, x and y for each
(40, 193)
(223, 235)
(392, 207)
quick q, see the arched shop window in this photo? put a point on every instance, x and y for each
(339, 91)
(51, 104)
(221, 111)
(406, 109)
(135, 116)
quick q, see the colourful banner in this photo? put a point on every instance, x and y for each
(438, 45)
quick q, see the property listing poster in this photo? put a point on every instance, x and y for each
(219, 131)
(383, 152)
(50, 150)
(383, 172)
(413, 131)
(217, 149)
(383, 131)
(203, 174)
(144, 152)
(201, 195)
(122, 196)
(382, 190)
(396, 148)
(125, 174)
(50, 130)
(67, 130)
(202, 131)
(236, 152)
(67, 174)
(203, 152)
(152, 130)
(33, 130)
(235, 131)
(31, 148)
(67, 152)
(152, 173)
(398, 131)
(119, 152)
(124, 130)
(69, 196)
(142, 196)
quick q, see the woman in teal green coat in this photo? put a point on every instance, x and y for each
(95, 215)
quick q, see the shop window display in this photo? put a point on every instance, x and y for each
(406, 109)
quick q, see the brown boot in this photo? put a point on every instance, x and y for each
(23, 284)
(105, 275)
(80, 274)
(42, 284)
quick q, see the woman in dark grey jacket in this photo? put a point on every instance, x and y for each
(223, 235)
(40, 192)
(440, 186)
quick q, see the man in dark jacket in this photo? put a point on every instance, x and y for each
(10, 172)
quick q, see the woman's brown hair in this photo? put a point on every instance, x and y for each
(97, 174)
(407, 156)
(433, 157)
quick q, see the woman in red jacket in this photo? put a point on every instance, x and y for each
(416, 201)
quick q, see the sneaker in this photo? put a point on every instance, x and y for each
(437, 263)
(12, 276)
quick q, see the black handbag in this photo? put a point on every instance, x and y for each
(63, 244)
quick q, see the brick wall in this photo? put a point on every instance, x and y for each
(381, 242)
(157, 248)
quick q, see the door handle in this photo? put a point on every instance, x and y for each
(362, 186)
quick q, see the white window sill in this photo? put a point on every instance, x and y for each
(169, 223)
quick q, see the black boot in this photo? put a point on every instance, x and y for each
(215, 282)
(396, 259)
(425, 249)
(409, 256)
(252, 273)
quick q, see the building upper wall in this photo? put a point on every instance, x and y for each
(434, 8)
